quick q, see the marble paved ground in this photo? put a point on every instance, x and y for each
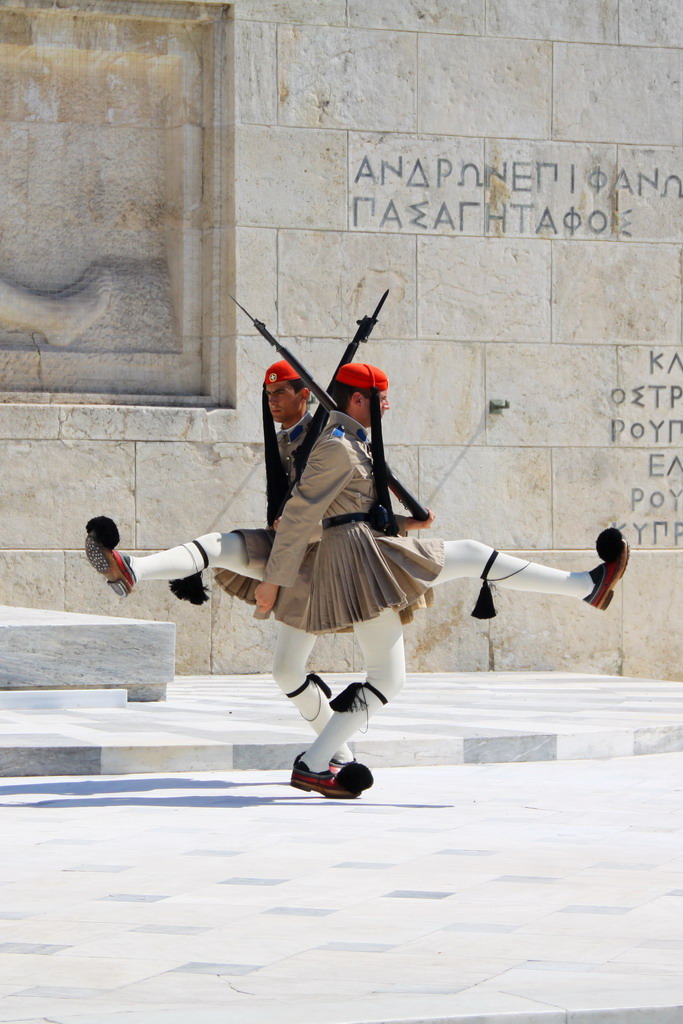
(451, 718)
(542, 892)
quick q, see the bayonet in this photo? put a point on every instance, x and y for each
(319, 392)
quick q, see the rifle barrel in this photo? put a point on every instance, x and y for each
(415, 507)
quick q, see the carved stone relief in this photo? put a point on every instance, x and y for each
(108, 124)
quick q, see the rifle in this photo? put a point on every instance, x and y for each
(365, 326)
(416, 509)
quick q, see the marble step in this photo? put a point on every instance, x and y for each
(217, 723)
(55, 650)
(61, 700)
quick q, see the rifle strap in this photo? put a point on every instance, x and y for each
(315, 429)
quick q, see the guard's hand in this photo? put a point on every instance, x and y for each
(266, 596)
(420, 524)
(277, 522)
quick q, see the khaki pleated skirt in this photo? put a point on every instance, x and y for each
(258, 544)
(359, 573)
(291, 606)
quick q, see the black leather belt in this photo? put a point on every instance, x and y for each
(350, 517)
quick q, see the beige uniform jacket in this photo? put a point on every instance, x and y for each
(358, 571)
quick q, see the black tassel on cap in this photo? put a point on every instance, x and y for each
(379, 466)
(609, 544)
(190, 589)
(105, 531)
(485, 608)
(277, 481)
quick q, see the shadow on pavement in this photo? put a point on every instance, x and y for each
(94, 793)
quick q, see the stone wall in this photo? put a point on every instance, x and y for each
(512, 170)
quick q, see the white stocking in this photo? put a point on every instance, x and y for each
(469, 558)
(292, 651)
(224, 551)
(381, 644)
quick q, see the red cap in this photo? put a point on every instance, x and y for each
(362, 376)
(280, 371)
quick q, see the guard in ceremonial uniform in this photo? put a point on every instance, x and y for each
(240, 556)
(285, 401)
(365, 573)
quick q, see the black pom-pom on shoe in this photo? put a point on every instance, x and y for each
(190, 589)
(105, 531)
(101, 540)
(614, 552)
(354, 777)
(609, 544)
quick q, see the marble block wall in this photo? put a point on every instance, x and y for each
(511, 170)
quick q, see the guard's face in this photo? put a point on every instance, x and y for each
(359, 407)
(287, 406)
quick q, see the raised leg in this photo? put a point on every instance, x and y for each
(468, 558)
(122, 571)
(212, 551)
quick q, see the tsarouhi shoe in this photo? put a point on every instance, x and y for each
(100, 542)
(336, 764)
(614, 551)
(347, 784)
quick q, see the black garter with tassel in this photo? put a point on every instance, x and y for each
(320, 683)
(190, 589)
(485, 608)
(312, 678)
(353, 699)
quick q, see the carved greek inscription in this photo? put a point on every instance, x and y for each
(563, 198)
(650, 413)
